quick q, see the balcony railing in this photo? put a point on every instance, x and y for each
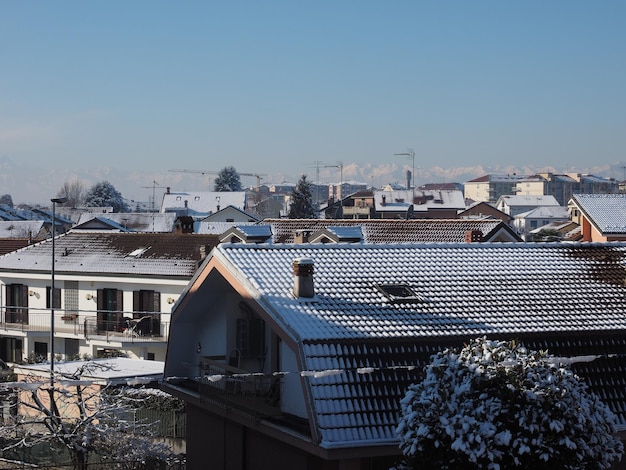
(255, 394)
(88, 325)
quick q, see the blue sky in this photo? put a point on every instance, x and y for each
(126, 91)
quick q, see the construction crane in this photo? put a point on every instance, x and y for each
(258, 176)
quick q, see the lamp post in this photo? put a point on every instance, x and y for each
(412, 155)
(55, 201)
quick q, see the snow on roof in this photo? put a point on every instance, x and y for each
(391, 230)
(118, 370)
(531, 201)
(20, 228)
(606, 211)
(203, 202)
(166, 254)
(563, 297)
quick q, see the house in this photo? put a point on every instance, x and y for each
(296, 356)
(247, 234)
(565, 231)
(514, 205)
(224, 219)
(536, 218)
(359, 205)
(200, 204)
(113, 293)
(602, 217)
(484, 210)
(129, 221)
(396, 230)
(489, 188)
(418, 204)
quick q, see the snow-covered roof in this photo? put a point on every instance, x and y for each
(116, 370)
(21, 228)
(379, 312)
(163, 254)
(217, 228)
(203, 202)
(528, 201)
(606, 211)
(136, 221)
(396, 230)
(421, 200)
(545, 212)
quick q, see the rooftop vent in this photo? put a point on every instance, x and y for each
(303, 278)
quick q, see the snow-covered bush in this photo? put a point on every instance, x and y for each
(496, 405)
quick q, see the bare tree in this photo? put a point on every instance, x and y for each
(83, 418)
(75, 192)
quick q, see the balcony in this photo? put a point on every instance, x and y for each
(89, 325)
(236, 390)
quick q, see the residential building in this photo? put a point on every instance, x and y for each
(484, 210)
(539, 217)
(132, 221)
(489, 188)
(515, 205)
(396, 230)
(113, 293)
(602, 217)
(296, 356)
(200, 204)
(563, 187)
(418, 204)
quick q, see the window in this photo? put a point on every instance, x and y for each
(41, 350)
(400, 293)
(250, 333)
(71, 349)
(17, 303)
(146, 308)
(57, 297)
(110, 304)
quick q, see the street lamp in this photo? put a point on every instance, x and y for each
(412, 155)
(55, 201)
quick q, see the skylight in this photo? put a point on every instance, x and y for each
(139, 251)
(400, 293)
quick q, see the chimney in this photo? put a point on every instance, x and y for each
(301, 236)
(384, 200)
(303, 278)
(167, 190)
(473, 236)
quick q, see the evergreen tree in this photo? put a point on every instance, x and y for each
(104, 194)
(7, 200)
(302, 201)
(228, 180)
(497, 405)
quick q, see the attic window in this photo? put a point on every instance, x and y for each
(197, 198)
(139, 251)
(178, 198)
(400, 293)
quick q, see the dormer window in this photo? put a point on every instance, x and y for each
(399, 293)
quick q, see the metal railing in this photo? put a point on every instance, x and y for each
(119, 325)
(255, 393)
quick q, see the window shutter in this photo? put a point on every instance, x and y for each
(136, 300)
(100, 299)
(119, 299)
(157, 302)
(24, 298)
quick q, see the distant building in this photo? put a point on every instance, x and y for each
(489, 188)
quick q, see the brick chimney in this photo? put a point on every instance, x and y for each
(303, 278)
(473, 236)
